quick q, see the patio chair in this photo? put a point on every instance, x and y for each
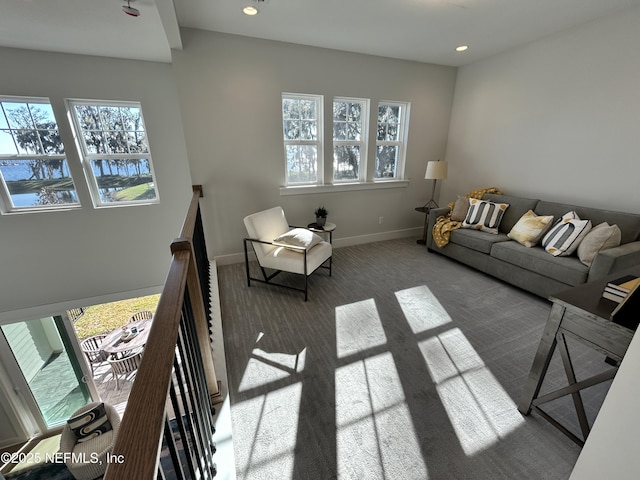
(141, 315)
(282, 248)
(95, 446)
(91, 349)
(125, 365)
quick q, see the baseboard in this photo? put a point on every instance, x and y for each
(337, 243)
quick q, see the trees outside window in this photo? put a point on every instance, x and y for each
(349, 139)
(393, 118)
(302, 132)
(115, 151)
(34, 173)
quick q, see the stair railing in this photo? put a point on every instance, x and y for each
(167, 426)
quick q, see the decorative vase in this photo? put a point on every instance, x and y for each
(321, 221)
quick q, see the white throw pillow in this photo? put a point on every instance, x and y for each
(530, 228)
(565, 236)
(298, 237)
(484, 215)
(600, 238)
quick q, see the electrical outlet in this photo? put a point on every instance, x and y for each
(380, 220)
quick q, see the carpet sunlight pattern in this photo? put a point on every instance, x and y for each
(402, 365)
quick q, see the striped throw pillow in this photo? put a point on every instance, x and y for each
(484, 215)
(565, 236)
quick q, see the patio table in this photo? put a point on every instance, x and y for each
(113, 342)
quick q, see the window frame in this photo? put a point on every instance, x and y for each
(362, 143)
(86, 157)
(7, 204)
(318, 142)
(400, 143)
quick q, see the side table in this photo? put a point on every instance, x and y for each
(582, 314)
(326, 228)
(424, 210)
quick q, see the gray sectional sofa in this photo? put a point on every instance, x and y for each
(532, 268)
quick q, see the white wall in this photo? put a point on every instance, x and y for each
(58, 257)
(557, 119)
(230, 92)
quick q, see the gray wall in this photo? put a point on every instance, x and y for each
(230, 93)
(557, 119)
(57, 257)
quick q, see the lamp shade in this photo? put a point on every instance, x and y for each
(436, 170)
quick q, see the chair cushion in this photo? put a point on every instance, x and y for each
(299, 237)
(90, 424)
(282, 258)
(266, 226)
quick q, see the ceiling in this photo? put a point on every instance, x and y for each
(420, 30)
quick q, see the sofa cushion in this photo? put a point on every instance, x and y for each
(567, 270)
(565, 236)
(530, 228)
(476, 240)
(600, 237)
(484, 215)
(518, 206)
(629, 223)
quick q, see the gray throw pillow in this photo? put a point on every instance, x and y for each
(460, 209)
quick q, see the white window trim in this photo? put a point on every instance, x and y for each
(318, 142)
(403, 136)
(363, 143)
(7, 207)
(343, 187)
(86, 157)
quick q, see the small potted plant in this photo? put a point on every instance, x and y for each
(321, 216)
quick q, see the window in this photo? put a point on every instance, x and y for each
(33, 167)
(302, 130)
(113, 145)
(349, 139)
(393, 119)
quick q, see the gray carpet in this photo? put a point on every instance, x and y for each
(402, 365)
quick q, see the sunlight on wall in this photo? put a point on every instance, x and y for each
(422, 309)
(271, 421)
(479, 409)
(358, 328)
(375, 433)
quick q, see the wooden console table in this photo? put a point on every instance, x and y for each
(583, 314)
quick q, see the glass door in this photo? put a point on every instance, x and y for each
(47, 369)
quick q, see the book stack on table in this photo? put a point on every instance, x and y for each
(617, 290)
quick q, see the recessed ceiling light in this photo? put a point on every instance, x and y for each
(250, 10)
(462, 48)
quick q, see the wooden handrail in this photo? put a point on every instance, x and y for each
(188, 225)
(137, 450)
(138, 442)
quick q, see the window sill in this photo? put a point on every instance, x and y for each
(342, 187)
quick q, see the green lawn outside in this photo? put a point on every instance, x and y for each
(104, 318)
(144, 191)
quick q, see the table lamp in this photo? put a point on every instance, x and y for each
(436, 170)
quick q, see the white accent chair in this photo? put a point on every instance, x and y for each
(263, 228)
(94, 451)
